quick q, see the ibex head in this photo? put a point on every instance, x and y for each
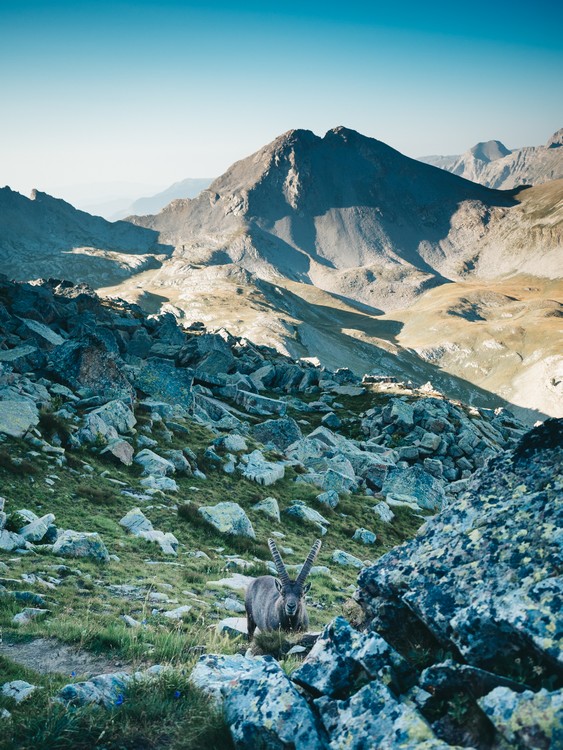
(292, 592)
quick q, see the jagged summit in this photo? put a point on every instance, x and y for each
(556, 139)
(488, 151)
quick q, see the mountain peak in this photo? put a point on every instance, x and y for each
(296, 135)
(556, 139)
(488, 151)
(343, 132)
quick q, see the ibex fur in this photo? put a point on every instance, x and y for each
(279, 603)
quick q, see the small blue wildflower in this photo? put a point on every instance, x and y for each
(119, 700)
(177, 694)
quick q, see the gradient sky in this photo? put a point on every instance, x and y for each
(150, 93)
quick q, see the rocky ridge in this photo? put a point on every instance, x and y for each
(42, 235)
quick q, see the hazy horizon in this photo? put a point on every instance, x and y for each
(150, 94)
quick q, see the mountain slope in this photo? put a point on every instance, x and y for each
(352, 216)
(45, 236)
(495, 166)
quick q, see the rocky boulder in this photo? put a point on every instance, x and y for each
(163, 381)
(279, 433)
(17, 417)
(81, 544)
(260, 705)
(417, 483)
(255, 467)
(139, 525)
(269, 507)
(90, 364)
(115, 414)
(228, 518)
(261, 405)
(484, 574)
(153, 464)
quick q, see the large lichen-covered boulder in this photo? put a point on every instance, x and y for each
(214, 673)
(373, 718)
(263, 709)
(89, 363)
(228, 518)
(280, 433)
(162, 380)
(342, 654)
(260, 705)
(17, 417)
(414, 481)
(484, 574)
(81, 544)
(302, 511)
(269, 507)
(526, 720)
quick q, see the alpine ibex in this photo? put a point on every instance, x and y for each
(279, 603)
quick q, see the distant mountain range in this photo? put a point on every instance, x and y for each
(188, 188)
(492, 164)
(304, 244)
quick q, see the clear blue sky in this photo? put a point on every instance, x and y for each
(151, 92)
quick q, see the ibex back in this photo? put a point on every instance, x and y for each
(279, 603)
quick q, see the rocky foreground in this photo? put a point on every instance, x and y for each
(125, 436)
(480, 587)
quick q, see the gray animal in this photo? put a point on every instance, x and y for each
(279, 603)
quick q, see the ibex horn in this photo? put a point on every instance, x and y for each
(278, 562)
(308, 564)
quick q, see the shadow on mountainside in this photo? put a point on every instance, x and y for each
(324, 332)
(387, 206)
(46, 237)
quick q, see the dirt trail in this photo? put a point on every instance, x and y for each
(48, 656)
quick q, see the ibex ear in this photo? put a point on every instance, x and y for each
(306, 587)
(279, 585)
